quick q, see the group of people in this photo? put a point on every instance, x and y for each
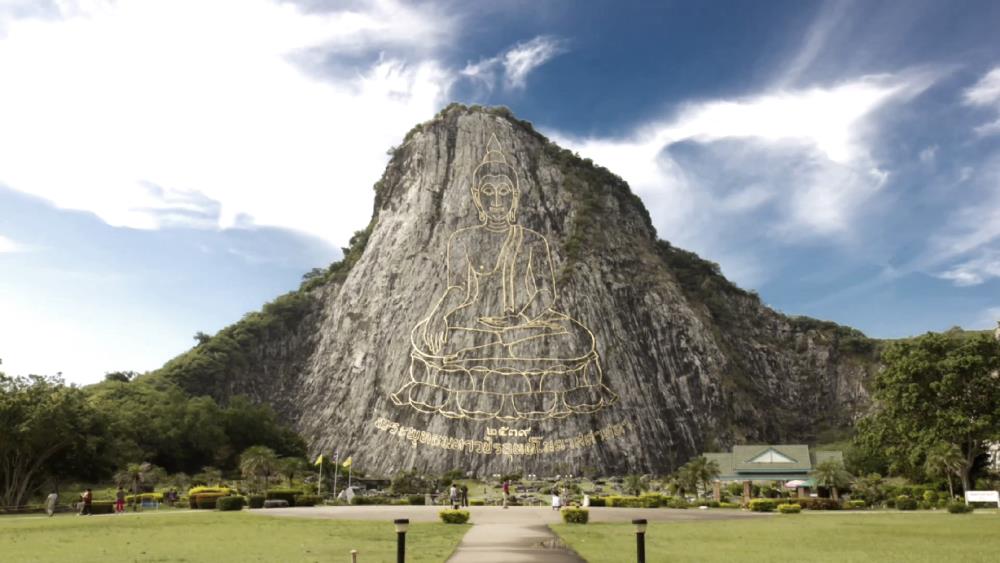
(459, 496)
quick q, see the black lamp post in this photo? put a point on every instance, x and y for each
(640, 539)
(402, 524)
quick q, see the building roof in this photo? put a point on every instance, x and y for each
(773, 462)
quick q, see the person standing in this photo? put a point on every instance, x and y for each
(88, 498)
(453, 496)
(506, 492)
(556, 501)
(50, 503)
(465, 495)
(120, 501)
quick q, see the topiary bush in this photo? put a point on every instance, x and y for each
(904, 502)
(856, 504)
(477, 502)
(358, 499)
(572, 515)
(959, 508)
(308, 500)
(789, 508)
(283, 494)
(818, 503)
(155, 497)
(207, 501)
(677, 502)
(416, 500)
(196, 492)
(764, 504)
(256, 501)
(728, 505)
(598, 501)
(230, 503)
(449, 516)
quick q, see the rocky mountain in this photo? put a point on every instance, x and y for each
(510, 308)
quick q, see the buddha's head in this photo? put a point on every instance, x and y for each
(494, 186)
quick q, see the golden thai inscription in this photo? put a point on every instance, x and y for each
(488, 446)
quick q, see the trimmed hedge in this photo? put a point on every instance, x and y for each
(206, 501)
(728, 505)
(283, 494)
(416, 500)
(789, 508)
(856, 504)
(200, 490)
(255, 501)
(959, 508)
(575, 515)
(477, 502)
(157, 497)
(449, 516)
(358, 499)
(230, 503)
(765, 504)
(308, 500)
(598, 501)
(818, 503)
(102, 507)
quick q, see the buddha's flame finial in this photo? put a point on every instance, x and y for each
(493, 151)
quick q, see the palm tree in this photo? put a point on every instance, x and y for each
(635, 484)
(704, 471)
(831, 474)
(134, 476)
(259, 461)
(289, 467)
(208, 475)
(944, 460)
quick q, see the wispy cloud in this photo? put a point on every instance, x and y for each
(986, 93)
(104, 100)
(515, 64)
(976, 270)
(800, 159)
(9, 246)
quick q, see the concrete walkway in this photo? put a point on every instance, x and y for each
(516, 535)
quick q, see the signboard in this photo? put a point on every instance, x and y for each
(982, 496)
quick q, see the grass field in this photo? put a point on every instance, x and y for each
(887, 537)
(192, 536)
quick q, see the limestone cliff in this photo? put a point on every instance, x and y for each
(689, 361)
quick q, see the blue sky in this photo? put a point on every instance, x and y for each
(167, 167)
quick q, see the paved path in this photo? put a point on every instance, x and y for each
(515, 535)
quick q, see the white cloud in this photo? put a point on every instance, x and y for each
(516, 63)
(158, 113)
(928, 155)
(975, 271)
(9, 246)
(986, 93)
(804, 154)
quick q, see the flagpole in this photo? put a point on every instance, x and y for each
(336, 470)
(350, 469)
(319, 490)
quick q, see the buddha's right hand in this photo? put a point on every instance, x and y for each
(436, 333)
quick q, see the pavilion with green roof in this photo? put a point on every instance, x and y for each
(772, 462)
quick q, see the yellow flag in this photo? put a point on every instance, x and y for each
(347, 462)
(319, 460)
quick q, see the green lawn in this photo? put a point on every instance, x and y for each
(215, 536)
(909, 538)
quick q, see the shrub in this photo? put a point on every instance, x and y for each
(890, 503)
(904, 502)
(454, 516)
(764, 504)
(358, 499)
(712, 504)
(255, 501)
(575, 515)
(930, 496)
(276, 503)
(200, 490)
(856, 504)
(416, 500)
(598, 501)
(207, 501)
(102, 507)
(283, 494)
(789, 508)
(477, 502)
(942, 503)
(230, 503)
(308, 500)
(924, 505)
(959, 508)
(145, 497)
(818, 503)
(677, 502)
(728, 505)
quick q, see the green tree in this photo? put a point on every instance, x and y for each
(289, 467)
(944, 460)
(938, 388)
(207, 476)
(259, 462)
(48, 431)
(137, 475)
(832, 475)
(871, 487)
(703, 471)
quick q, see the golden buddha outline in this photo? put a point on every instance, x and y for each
(494, 346)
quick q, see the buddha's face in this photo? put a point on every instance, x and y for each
(496, 197)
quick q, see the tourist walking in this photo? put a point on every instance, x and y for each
(506, 492)
(453, 496)
(50, 503)
(556, 501)
(465, 495)
(120, 501)
(88, 498)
